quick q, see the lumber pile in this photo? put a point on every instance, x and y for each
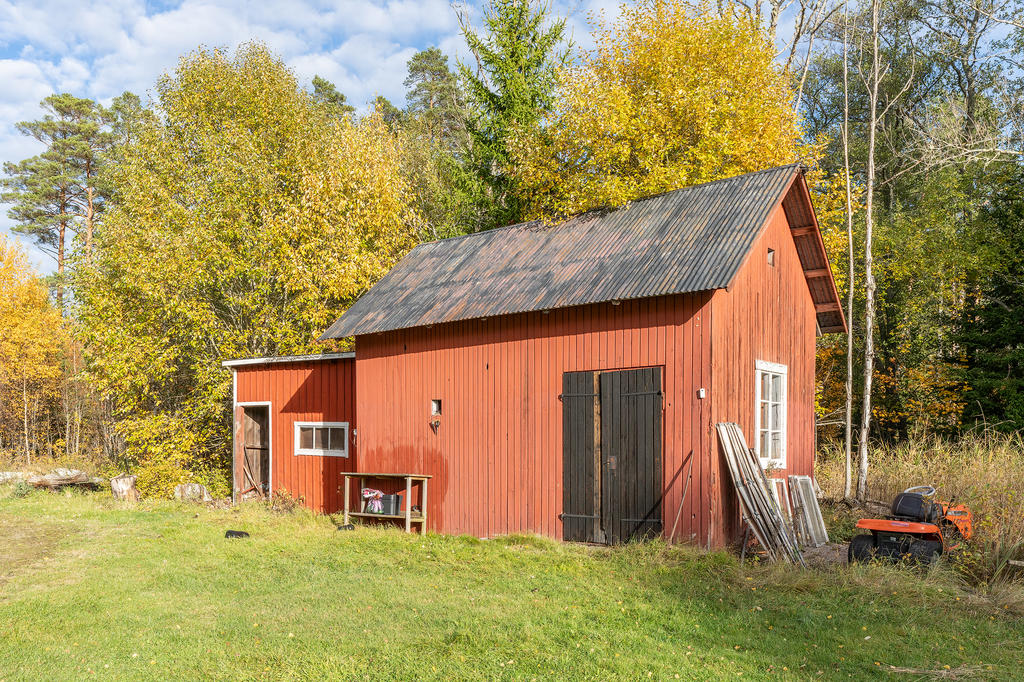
(761, 511)
(60, 478)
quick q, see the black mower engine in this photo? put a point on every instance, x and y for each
(915, 507)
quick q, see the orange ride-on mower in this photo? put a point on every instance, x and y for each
(919, 529)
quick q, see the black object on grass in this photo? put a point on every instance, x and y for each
(236, 534)
(347, 526)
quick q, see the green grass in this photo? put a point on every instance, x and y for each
(91, 588)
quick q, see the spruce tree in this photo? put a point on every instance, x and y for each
(517, 56)
(991, 330)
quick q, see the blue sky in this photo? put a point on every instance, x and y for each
(100, 48)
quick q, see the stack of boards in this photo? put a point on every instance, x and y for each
(764, 504)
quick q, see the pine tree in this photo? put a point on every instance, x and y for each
(435, 98)
(517, 60)
(388, 112)
(326, 94)
(57, 193)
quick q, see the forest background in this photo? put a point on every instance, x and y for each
(237, 211)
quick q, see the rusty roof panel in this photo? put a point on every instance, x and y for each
(691, 239)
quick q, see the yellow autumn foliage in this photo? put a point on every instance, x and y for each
(32, 337)
(670, 96)
(247, 218)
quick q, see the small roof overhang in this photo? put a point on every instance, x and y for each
(320, 357)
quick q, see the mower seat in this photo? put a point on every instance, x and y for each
(914, 507)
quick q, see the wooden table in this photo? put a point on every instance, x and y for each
(409, 516)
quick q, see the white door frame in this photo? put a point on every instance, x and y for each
(270, 439)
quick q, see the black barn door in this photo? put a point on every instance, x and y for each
(631, 454)
(581, 488)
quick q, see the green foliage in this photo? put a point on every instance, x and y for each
(21, 490)
(990, 330)
(452, 198)
(326, 94)
(436, 100)
(250, 216)
(947, 109)
(517, 55)
(56, 193)
(388, 112)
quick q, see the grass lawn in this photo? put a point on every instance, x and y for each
(91, 588)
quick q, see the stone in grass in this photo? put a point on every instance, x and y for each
(192, 492)
(236, 534)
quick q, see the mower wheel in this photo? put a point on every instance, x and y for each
(924, 552)
(862, 548)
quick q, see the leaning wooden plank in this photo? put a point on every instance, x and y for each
(763, 516)
(755, 484)
(759, 511)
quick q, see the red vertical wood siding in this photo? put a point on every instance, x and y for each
(320, 391)
(766, 314)
(497, 456)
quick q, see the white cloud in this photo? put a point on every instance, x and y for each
(99, 48)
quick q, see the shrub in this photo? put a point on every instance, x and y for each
(157, 478)
(985, 471)
(22, 489)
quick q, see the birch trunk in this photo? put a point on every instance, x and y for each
(24, 396)
(848, 476)
(869, 274)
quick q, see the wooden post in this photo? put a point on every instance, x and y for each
(408, 504)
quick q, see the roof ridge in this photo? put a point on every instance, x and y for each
(605, 209)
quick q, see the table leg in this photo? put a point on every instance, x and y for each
(408, 504)
(347, 486)
(423, 507)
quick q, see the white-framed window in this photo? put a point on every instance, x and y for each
(770, 413)
(323, 439)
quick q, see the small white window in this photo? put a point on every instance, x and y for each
(435, 406)
(770, 414)
(324, 439)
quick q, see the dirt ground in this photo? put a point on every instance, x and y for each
(829, 554)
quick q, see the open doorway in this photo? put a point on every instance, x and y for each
(255, 444)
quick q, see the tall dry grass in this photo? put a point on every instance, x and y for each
(985, 471)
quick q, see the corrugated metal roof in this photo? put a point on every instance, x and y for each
(691, 239)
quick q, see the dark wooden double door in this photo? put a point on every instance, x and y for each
(611, 455)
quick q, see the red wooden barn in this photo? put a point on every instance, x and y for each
(293, 416)
(565, 379)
